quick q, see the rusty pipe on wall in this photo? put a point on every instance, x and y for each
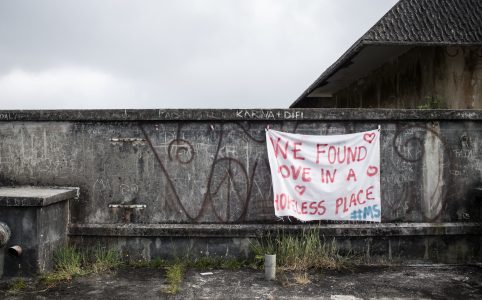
(4, 237)
(15, 250)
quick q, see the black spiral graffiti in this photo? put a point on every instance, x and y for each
(183, 153)
(405, 147)
(411, 139)
(402, 144)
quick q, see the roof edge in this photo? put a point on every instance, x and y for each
(341, 60)
(352, 51)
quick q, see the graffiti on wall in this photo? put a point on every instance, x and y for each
(217, 172)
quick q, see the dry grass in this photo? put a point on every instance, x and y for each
(301, 252)
(302, 278)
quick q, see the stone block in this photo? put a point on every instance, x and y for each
(38, 219)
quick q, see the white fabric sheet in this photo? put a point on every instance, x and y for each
(332, 177)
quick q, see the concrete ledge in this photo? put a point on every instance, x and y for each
(298, 114)
(34, 196)
(258, 230)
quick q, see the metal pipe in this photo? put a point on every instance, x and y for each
(270, 266)
(15, 250)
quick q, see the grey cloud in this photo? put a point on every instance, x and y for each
(170, 54)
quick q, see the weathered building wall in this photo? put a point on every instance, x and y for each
(449, 77)
(210, 166)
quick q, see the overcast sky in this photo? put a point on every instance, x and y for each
(172, 54)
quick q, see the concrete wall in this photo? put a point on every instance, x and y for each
(210, 166)
(450, 76)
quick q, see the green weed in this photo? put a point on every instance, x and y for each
(174, 276)
(105, 259)
(67, 264)
(68, 261)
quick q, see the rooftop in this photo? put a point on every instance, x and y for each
(407, 24)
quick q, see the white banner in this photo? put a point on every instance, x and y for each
(332, 177)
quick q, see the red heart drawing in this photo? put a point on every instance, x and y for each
(369, 137)
(372, 171)
(300, 189)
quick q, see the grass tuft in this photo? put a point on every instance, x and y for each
(69, 262)
(300, 252)
(174, 276)
(302, 278)
(105, 259)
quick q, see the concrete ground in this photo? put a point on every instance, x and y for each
(413, 282)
